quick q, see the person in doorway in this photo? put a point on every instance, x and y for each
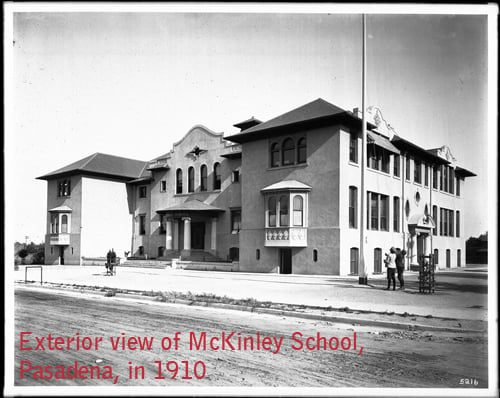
(400, 266)
(390, 263)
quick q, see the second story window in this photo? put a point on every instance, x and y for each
(275, 155)
(142, 224)
(217, 176)
(302, 150)
(271, 206)
(408, 164)
(435, 177)
(143, 191)
(417, 171)
(203, 178)
(426, 175)
(178, 181)
(378, 158)
(191, 179)
(64, 187)
(163, 186)
(283, 211)
(397, 166)
(353, 207)
(298, 211)
(353, 148)
(288, 152)
(235, 221)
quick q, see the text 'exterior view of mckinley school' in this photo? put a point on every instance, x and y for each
(280, 196)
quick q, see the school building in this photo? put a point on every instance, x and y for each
(281, 196)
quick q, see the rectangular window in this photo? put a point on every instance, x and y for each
(457, 229)
(373, 211)
(426, 175)
(435, 217)
(236, 176)
(142, 224)
(457, 184)
(354, 260)
(163, 186)
(353, 207)
(451, 180)
(163, 224)
(441, 177)
(408, 163)
(384, 213)
(451, 221)
(378, 158)
(434, 177)
(353, 148)
(417, 171)
(235, 221)
(397, 165)
(64, 188)
(377, 260)
(436, 256)
(397, 212)
(142, 191)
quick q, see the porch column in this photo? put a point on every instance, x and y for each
(427, 244)
(187, 233)
(213, 243)
(169, 243)
(176, 234)
(414, 259)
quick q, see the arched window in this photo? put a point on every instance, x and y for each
(298, 210)
(217, 178)
(271, 209)
(191, 179)
(203, 178)
(284, 211)
(288, 152)
(275, 155)
(178, 183)
(64, 224)
(302, 150)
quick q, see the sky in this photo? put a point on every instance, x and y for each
(132, 83)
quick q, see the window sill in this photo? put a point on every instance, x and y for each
(378, 172)
(351, 163)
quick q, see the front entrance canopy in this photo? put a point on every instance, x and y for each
(61, 209)
(192, 206)
(421, 221)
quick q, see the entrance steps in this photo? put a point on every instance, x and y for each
(160, 264)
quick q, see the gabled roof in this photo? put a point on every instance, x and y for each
(103, 165)
(288, 185)
(406, 145)
(191, 205)
(315, 111)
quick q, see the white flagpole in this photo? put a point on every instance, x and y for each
(363, 275)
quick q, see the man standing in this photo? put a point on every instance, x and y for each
(400, 266)
(390, 263)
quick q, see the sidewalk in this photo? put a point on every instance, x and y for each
(460, 295)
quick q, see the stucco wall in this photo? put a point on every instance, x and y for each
(105, 218)
(321, 173)
(229, 196)
(72, 251)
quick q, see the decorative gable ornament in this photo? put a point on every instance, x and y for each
(374, 115)
(196, 152)
(445, 153)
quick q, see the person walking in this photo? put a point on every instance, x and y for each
(390, 263)
(400, 266)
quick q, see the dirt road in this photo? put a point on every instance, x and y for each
(389, 358)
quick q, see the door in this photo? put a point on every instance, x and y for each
(61, 255)
(198, 235)
(420, 247)
(285, 261)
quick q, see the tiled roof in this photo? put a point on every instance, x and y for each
(101, 164)
(315, 110)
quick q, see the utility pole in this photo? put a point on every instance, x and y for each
(363, 275)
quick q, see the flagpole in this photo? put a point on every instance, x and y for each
(363, 275)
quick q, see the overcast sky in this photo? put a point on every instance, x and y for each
(131, 84)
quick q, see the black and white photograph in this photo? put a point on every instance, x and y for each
(267, 199)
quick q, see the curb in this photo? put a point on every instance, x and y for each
(293, 314)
